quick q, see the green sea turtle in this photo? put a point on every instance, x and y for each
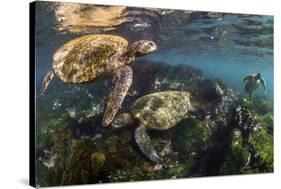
(252, 83)
(95, 57)
(157, 111)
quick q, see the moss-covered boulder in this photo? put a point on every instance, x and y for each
(237, 156)
(79, 164)
(46, 128)
(98, 160)
(266, 122)
(190, 137)
(263, 143)
(121, 150)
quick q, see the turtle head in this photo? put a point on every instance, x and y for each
(142, 47)
(258, 76)
(198, 113)
(122, 120)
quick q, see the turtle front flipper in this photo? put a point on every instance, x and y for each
(144, 143)
(121, 84)
(262, 81)
(46, 81)
(247, 77)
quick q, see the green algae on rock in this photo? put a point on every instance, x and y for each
(263, 143)
(98, 160)
(191, 137)
(237, 157)
(79, 164)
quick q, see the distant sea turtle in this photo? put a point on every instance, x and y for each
(252, 83)
(95, 57)
(157, 111)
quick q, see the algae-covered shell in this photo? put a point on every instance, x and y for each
(84, 59)
(161, 110)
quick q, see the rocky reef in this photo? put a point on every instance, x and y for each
(73, 148)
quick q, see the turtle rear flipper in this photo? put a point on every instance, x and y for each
(250, 95)
(46, 81)
(144, 143)
(122, 82)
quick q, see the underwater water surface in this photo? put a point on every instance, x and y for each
(226, 46)
(200, 52)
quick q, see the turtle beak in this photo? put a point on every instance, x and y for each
(153, 46)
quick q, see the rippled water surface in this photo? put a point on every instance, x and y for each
(222, 45)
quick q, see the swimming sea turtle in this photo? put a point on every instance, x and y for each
(157, 111)
(94, 57)
(252, 83)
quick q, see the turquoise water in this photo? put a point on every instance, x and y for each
(231, 70)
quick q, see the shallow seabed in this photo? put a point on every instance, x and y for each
(205, 53)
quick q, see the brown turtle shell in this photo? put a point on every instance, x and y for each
(161, 110)
(84, 59)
